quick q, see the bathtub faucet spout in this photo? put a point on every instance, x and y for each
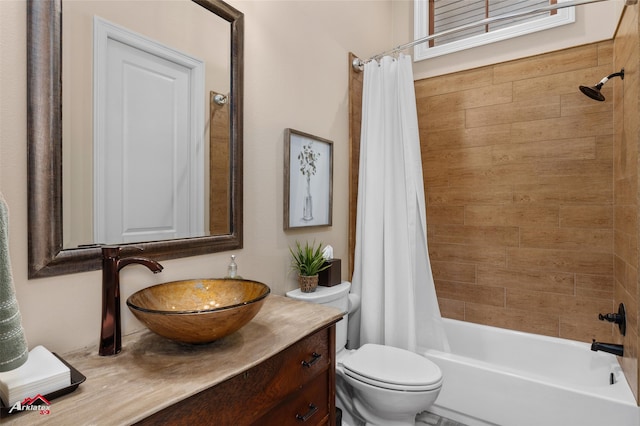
(611, 348)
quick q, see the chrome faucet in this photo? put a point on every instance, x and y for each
(112, 263)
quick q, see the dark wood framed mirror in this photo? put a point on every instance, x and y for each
(47, 255)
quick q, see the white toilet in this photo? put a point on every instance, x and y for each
(385, 386)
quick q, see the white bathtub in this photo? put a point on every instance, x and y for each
(503, 377)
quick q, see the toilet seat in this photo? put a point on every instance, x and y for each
(392, 368)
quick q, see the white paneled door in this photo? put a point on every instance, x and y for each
(148, 142)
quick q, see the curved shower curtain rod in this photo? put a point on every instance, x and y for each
(358, 63)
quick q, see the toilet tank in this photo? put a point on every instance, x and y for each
(337, 297)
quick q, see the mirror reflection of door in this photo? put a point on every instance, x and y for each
(182, 25)
(148, 150)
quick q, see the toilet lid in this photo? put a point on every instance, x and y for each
(393, 368)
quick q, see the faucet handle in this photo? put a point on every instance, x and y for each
(616, 318)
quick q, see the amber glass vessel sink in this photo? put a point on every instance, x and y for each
(198, 311)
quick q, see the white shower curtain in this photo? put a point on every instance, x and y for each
(392, 273)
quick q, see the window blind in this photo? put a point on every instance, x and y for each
(449, 14)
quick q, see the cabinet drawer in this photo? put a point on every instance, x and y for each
(302, 362)
(309, 406)
(244, 398)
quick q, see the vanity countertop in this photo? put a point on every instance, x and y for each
(152, 373)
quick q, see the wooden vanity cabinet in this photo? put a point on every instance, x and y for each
(293, 387)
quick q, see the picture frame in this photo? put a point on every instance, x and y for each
(308, 180)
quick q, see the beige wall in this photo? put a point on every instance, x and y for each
(296, 75)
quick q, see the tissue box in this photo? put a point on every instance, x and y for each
(332, 275)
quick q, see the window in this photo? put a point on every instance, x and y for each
(435, 16)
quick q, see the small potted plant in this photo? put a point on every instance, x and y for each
(308, 261)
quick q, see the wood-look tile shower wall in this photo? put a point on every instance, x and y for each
(518, 169)
(625, 180)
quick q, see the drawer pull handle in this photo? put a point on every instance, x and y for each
(315, 357)
(312, 410)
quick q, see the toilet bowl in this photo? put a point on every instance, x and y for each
(377, 384)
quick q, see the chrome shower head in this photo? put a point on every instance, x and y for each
(594, 91)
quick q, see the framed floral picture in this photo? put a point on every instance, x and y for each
(308, 180)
